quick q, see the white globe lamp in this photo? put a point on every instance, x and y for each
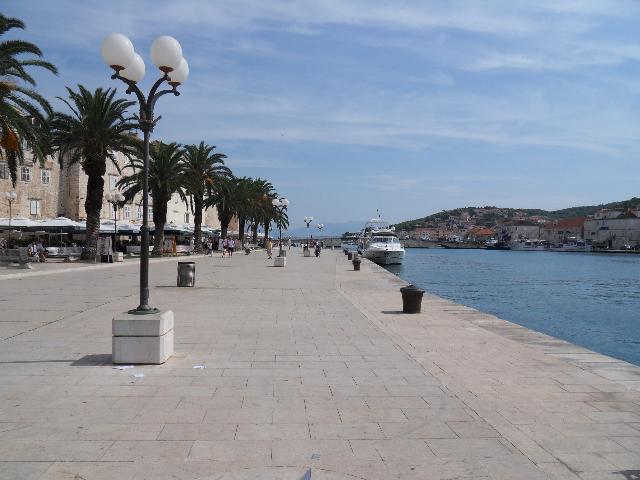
(117, 51)
(166, 53)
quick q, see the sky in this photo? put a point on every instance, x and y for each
(406, 107)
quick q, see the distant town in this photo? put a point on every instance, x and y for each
(611, 226)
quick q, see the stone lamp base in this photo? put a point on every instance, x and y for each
(143, 339)
(280, 262)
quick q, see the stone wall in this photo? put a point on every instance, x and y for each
(37, 189)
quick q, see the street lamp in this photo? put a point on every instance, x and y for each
(115, 199)
(166, 53)
(307, 221)
(11, 197)
(282, 204)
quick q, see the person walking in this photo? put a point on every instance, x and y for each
(269, 247)
(225, 246)
(231, 245)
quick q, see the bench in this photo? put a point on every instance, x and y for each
(15, 257)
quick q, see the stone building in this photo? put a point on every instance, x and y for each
(614, 228)
(47, 191)
(559, 231)
(518, 229)
(37, 189)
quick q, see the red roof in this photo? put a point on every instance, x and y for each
(566, 223)
(482, 231)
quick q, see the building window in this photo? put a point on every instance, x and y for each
(127, 212)
(186, 218)
(4, 170)
(113, 180)
(150, 212)
(25, 174)
(34, 207)
(46, 177)
(139, 213)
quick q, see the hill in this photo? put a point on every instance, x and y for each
(489, 215)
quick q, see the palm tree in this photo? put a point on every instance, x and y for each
(96, 129)
(202, 169)
(23, 111)
(224, 196)
(243, 207)
(280, 218)
(166, 177)
(262, 209)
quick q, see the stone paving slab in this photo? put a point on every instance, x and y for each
(308, 368)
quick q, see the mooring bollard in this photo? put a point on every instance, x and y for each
(411, 299)
(186, 274)
(356, 264)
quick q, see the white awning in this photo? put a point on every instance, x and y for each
(16, 222)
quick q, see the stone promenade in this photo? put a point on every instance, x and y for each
(306, 372)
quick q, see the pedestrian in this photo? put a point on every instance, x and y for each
(289, 242)
(210, 247)
(269, 247)
(225, 246)
(231, 245)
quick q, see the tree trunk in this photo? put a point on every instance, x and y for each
(93, 207)
(224, 226)
(241, 225)
(255, 233)
(159, 220)
(197, 220)
(266, 229)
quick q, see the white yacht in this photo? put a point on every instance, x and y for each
(380, 244)
(526, 245)
(573, 244)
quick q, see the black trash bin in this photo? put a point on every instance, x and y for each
(356, 264)
(411, 299)
(350, 256)
(186, 274)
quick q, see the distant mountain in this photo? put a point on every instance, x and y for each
(490, 219)
(329, 230)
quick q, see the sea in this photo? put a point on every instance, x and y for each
(592, 300)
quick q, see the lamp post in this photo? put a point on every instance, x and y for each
(166, 53)
(307, 221)
(320, 226)
(11, 197)
(115, 199)
(282, 204)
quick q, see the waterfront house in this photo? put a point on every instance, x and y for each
(559, 231)
(519, 229)
(480, 234)
(614, 228)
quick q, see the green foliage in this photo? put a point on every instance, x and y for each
(490, 219)
(23, 111)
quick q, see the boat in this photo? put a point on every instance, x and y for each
(493, 244)
(380, 244)
(573, 244)
(526, 245)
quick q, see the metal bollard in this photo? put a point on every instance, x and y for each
(411, 299)
(350, 256)
(186, 274)
(356, 264)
